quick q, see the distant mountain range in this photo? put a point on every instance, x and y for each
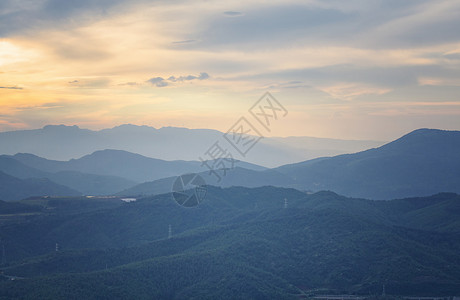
(59, 142)
(120, 163)
(423, 162)
(103, 172)
(225, 178)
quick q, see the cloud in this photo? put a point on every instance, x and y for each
(423, 23)
(161, 82)
(158, 81)
(349, 91)
(273, 26)
(202, 76)
(452, 56)
(40, 106)
(440, 81)
(23, 16)
(11, 87)
(361, 23)
(294, 84)
(313, 51)
(233, 13)
(131, 83)
(184, 42)
(98, 82)
(390, 77)
(10, 124)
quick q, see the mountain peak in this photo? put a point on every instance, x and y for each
(423, 131)
(428, 138)
(60, 127)
(132, 127)
(106, 153)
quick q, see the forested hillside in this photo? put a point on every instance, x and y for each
(240, 242)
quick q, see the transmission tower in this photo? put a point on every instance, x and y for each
(3, 254)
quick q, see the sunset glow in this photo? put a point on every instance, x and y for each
(343, 69)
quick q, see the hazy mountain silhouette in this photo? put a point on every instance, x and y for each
(87, 184)
(134, 167)
(12, 188)
(61, 142)
(423, 162)
(225, 178)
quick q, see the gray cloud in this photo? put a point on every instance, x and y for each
(233, 13)
(453, 56)
(361, 23)
(131, 83)
(161, 82)
(184, 42)
(100, 82)
(76, 51)
(274, 26)
(202, 76)
(27, 17)
(158, 81)
(391, 77)
(11, 87)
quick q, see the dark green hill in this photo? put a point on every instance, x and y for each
(88, 184)
(236, 176)
(12, 188)
(239, 243)
(17, 208)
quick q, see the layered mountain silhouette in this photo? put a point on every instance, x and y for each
(78, 182)
(120, 163)
(12, 188)
(103, 172)
(59, 142)
(421, 163)
(236, 176)
(267, 233)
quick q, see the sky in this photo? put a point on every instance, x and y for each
(359, 69)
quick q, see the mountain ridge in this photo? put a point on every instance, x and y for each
(61, 142)
(420, 163)
(12, 188)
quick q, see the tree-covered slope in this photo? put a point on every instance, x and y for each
(12, 188)
(241, 243)
(88, 184)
